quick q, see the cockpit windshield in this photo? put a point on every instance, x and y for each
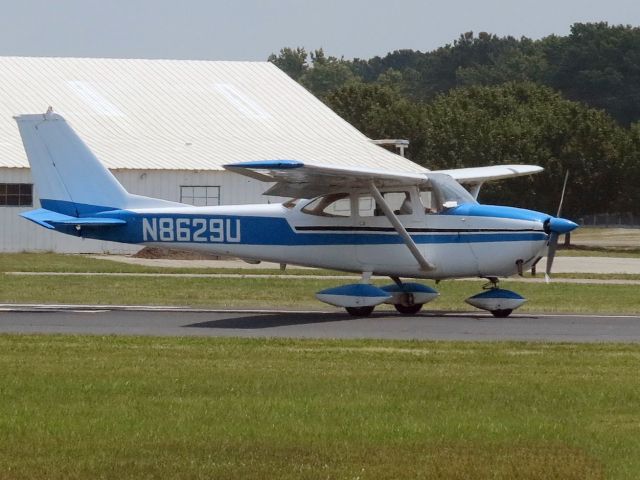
(445, 193)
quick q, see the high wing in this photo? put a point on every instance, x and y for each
(299, 180)
(475, 175)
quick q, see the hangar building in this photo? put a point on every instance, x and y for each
(165, 128)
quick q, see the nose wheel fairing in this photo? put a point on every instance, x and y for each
(500, 302)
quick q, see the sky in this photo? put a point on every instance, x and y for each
(252, 29)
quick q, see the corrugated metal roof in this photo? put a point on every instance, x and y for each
(183, 115)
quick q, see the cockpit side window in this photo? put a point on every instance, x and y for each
(332, 205)
(429, 201)
(399, 202)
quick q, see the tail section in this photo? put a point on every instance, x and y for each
(69, 178)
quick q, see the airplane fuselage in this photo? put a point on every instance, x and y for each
(463, 242)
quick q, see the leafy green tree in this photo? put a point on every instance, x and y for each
(599, 65)
(292, 61)
(399, 60)
(528, 123)
(380, 111)
(326, 74)
(471, 60)
(630, 200)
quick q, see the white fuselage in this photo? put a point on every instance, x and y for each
(456, 245)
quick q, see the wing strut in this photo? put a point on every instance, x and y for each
(475, 189)
(411, 245)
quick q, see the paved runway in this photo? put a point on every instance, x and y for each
(307, 324)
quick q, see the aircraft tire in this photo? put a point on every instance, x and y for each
(408, 309)
(359, 311)
(501, 313)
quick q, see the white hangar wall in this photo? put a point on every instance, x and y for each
(234, 189)
(20, 235)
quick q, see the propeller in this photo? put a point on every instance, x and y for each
(554, 227)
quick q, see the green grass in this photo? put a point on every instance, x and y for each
(78, 407)
(55, 262)
(291, 293)
(599, 252)
(591, 276)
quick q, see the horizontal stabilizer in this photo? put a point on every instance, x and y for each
(50, 219)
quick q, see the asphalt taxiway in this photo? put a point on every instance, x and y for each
(166, 321)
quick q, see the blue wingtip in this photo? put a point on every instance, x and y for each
(268, 164)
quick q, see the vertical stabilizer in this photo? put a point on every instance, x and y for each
(68, 176)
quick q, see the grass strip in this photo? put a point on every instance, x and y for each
(292, 293)
(591, 251)
(78, 407)
(55, 262)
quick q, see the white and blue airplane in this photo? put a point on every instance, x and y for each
(373, 222)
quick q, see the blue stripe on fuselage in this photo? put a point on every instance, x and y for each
(252, 230)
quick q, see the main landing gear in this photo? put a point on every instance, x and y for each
(498, 301)
(409, 298)
(359, 311)
(359, 299)
(408, 309)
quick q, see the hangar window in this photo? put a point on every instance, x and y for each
(16, 194)
(200, 196)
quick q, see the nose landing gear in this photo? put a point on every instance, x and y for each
(359, 311)
(500, 302)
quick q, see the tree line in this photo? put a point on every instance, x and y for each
(563, 102)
